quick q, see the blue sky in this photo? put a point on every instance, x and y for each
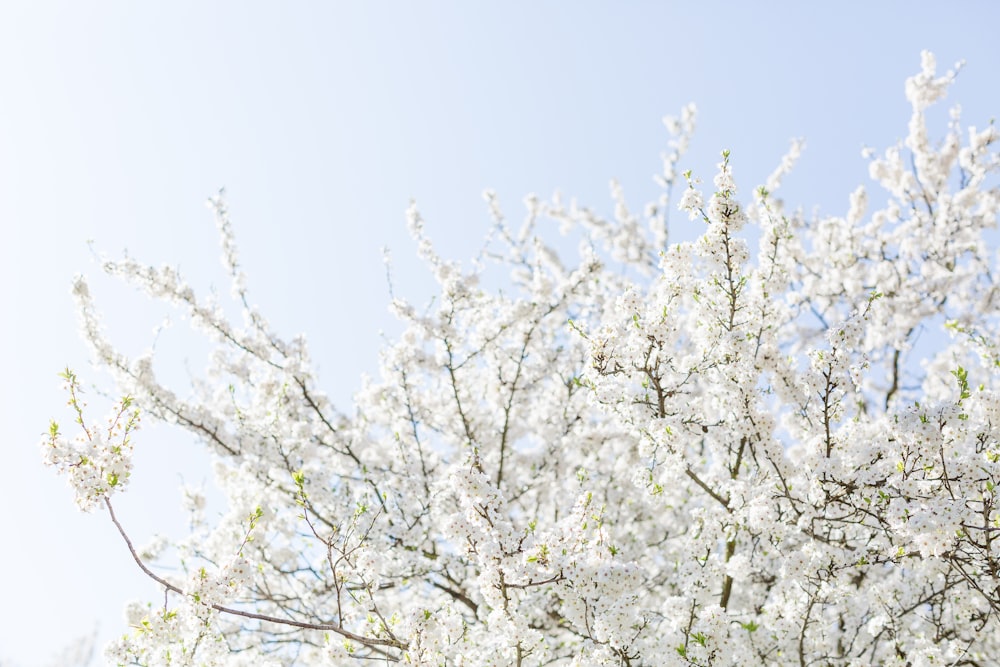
(322, 120)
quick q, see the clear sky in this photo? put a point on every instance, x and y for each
(322, 120)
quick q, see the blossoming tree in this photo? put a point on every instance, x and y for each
(707, 453)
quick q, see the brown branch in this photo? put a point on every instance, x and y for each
(706, 488)
(324, 627)
(457, 595)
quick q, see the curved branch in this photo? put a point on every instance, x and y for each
(324, 627)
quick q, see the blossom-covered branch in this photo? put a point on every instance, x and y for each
(724, 451)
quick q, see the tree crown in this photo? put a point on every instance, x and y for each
(726, 451)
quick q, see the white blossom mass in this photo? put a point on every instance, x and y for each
(729, 451)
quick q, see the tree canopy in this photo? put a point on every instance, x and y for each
(726, 451)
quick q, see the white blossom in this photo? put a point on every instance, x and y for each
(732, 451)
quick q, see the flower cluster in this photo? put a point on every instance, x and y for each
(98, 461)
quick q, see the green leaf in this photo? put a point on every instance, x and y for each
(963, 382)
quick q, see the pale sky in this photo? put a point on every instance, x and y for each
(322, 121)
